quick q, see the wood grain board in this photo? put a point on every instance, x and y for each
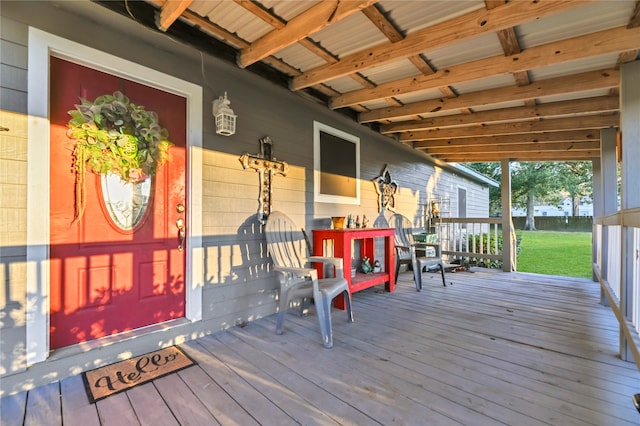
(491, 348)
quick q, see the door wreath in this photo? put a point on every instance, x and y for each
(114, 135)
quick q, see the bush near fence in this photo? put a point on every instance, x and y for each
(558, 223)
(468, 244)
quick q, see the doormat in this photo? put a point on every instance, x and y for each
(124, 375)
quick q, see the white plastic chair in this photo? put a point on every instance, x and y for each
(406, 250)
(288, 250)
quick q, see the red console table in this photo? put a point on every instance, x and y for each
(342, 239)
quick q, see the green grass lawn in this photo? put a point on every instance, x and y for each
(555, 253)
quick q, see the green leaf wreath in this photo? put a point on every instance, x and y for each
(114, 135)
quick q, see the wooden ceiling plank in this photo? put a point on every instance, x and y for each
(553, 109)
(628, 56)
(492, 4)
(390, 31)
(214, 30)
(279, 23)
(521, 78)
(421, 65)
(560, 136)
(603, 79)
(393, 101)
(314, 19)
(169, 12)
(261, 12)
(360, 79)
(502, 148)
(318, 50)
(509, 41)
(454, 30)
(507, 37)
(614, 40)
(623, 58)
(385, 26)
(547, 125)
(635, 16)
(515, 156)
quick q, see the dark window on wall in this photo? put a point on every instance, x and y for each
(337, 165)
(462, 202)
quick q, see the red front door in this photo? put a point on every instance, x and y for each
(105, 278)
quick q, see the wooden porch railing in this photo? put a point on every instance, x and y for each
(477, 239)
(616, 265)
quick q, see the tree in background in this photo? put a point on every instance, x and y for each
(531, 181)
(538, 181)
(577, 181)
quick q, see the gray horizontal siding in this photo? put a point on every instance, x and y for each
(238, 283)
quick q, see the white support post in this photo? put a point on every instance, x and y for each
(598, 201)
(608, 191)
(608, 175)
(505, 184)
(630, 184)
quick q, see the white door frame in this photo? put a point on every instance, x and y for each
(42, 45)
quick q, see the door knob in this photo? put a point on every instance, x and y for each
(181, 233)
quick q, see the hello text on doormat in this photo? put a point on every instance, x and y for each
(124, 375)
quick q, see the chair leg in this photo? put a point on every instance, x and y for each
(442, 272)
(323, 308)
(417, 276)
(347, 300)
(282, 311)
(397, 269)
(280, 321)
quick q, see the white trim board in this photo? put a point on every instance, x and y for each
(42, 45)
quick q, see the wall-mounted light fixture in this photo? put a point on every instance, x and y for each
(225, 118)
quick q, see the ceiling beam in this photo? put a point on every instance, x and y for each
(635, 17)
(278, 23)
(471, 24)
(387, 28)
(506, 148)
(207, 26)
(232, 39)
(169, 12)
(544, 125)
(521, 156)
(262, 12)
(604, 42)
(275, 21)
(314, 19)
(603, 79)
(562, 136)
(553, 109)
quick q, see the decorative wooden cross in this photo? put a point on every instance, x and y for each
(267, 166)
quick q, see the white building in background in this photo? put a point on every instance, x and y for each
(564, 209)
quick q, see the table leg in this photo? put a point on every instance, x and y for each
(318, 250)
(342, 248)
(389, 257)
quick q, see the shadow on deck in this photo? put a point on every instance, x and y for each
(490, 348)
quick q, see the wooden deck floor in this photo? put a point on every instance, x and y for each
(489, 349)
